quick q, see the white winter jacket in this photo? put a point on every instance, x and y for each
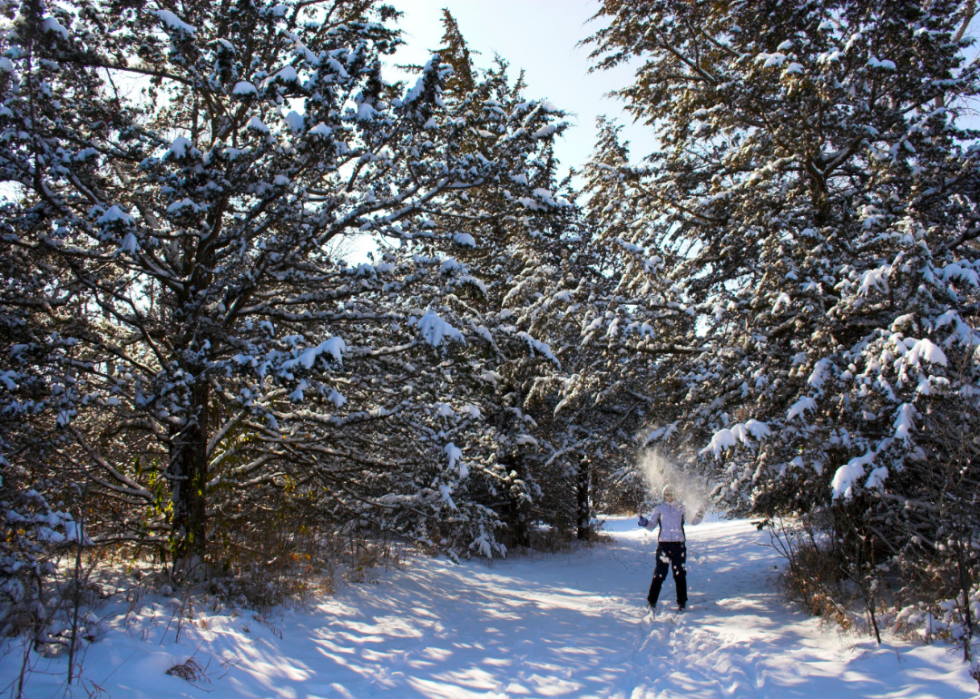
(670, 517)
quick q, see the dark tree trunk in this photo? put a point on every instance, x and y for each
(522, 532)
(189, 475)
(518, 514)
(582, 497)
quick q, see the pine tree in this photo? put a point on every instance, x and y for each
(813, 207)
(189, 172)
(455, 52)
(527, 286)
(510, 238)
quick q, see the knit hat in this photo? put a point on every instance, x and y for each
(668, 491)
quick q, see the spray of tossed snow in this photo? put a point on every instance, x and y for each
(658, 470)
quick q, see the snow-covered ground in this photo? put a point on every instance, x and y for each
(558, 625)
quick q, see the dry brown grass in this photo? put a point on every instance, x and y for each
(812, 577)
(190, 670)
(811, 581)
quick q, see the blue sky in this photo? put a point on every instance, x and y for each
(539, 36)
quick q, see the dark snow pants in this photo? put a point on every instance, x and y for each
(674, 554)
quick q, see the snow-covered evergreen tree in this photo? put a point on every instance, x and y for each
(188, 170)
(813, 208)
(536, 301)
(512, 238)
(39, 393)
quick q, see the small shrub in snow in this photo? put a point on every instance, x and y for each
(190, 670)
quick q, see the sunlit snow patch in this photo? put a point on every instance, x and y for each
(434, 330)
(455, 456)
(174, 22)
(873, 62)
(464, 239)
(256, 125)
(129, 244)
(50, 24)
(115, 215)
(333, 346)
(244, 88)
(731, 436)
(924, 349)
(798, 408)
(848, 473)
(180, 146)
(287, 75)
(904, 421)
(295, 122)
(321, 130)
(541, 348)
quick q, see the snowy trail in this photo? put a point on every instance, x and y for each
(566, 625)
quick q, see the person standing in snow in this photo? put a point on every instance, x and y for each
(671, 549)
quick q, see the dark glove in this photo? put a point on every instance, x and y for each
(643, 521)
